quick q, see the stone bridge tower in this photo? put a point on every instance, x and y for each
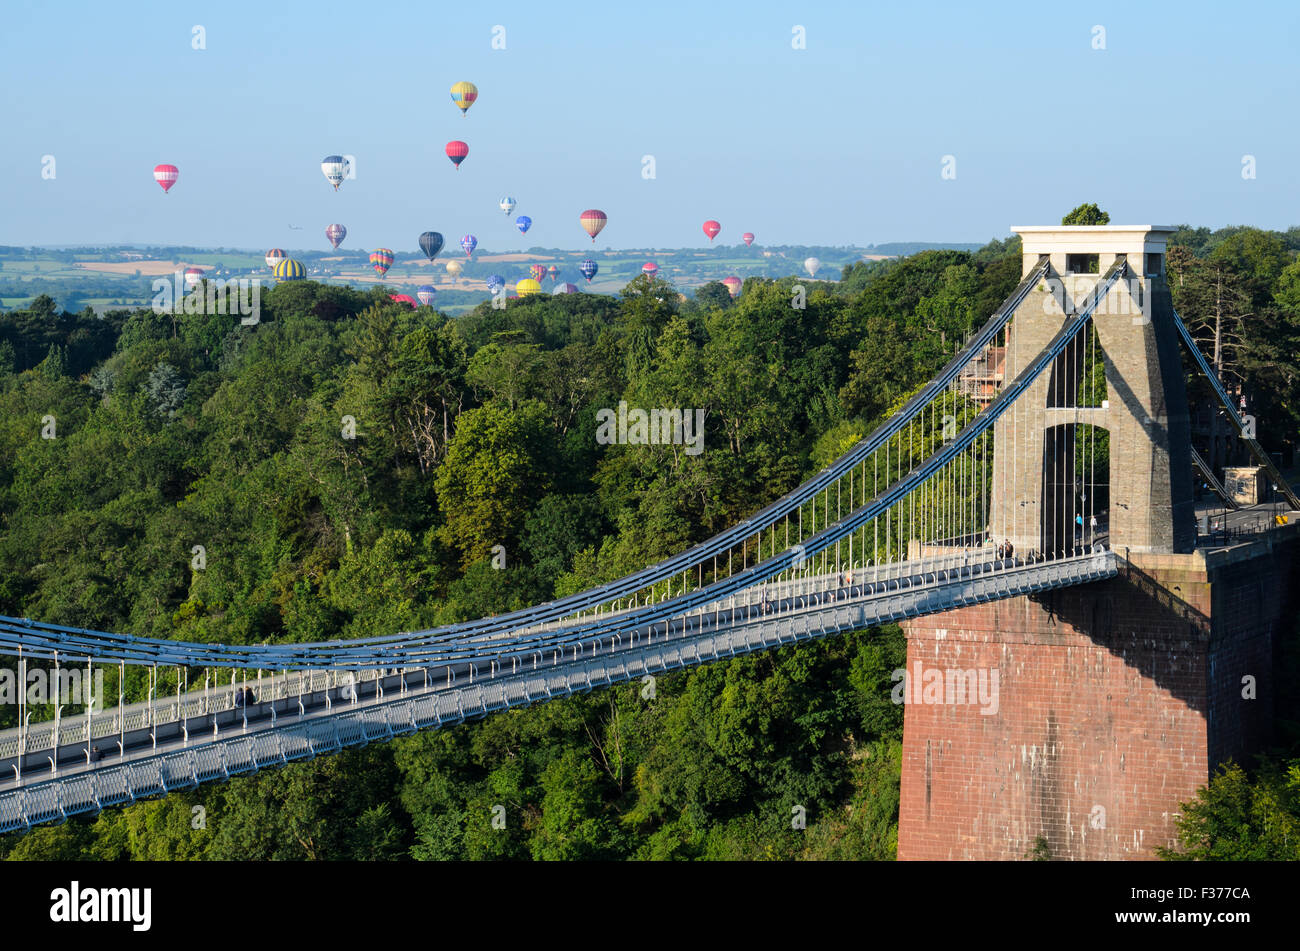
(1037, 488)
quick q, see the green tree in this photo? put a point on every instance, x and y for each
(1087, 214)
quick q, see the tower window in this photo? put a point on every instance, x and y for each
(1082, 263)
(1155, 265)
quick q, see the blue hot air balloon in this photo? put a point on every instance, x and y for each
(495, 282)
(524, 223)
(588, 269)
(426, 293)
(469, 243)
(431, 243)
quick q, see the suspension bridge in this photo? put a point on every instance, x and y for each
(1051, 452)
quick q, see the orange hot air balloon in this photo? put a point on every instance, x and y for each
(593, 222)
(711, 228)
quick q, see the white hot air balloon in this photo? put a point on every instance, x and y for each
(454, 269)
(335, 168)
(508, 205)
(813, 265)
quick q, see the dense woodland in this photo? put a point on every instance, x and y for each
(479, 431)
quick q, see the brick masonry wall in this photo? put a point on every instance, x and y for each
(1115, 701)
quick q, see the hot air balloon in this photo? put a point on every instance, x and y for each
(508, 205)
(193, 276)
(381, 259)
(524, 223)
(733, 285)
(166, 175)
(335, 168)
(553, 271)
(469, 243)
(711, 228)
(274, 257)
(650, 269)
(456, 151)
(426, 293)
(527, 286)
(537, 272)
(336, 234)
(431, 244)
(495, 282)
(454, 268)
(463, 95)
(748, 238)
(290, 270)
(566, 289)
(813, 265)
(588, 269)
(403, 299)
(593, 221)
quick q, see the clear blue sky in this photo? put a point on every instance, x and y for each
(839, 143)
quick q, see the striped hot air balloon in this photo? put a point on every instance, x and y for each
(593, 222)
(565, 289)
(588, 269)
(495, 282)
(426, 293)
(336, 234)
(537, 272)
(468, 244)
(464, 94)
(507, 204)
(456, 151)
(553, 271)
(290, 270)
(528, 286)
(733, 285)
(166, 175)
(748, 238)
(193, 276)
(274, 257)
(711, 228)
(335, 169)
(381, 259)
(523, 223)
(650, 269)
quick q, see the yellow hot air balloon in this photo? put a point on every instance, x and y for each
(527, 286)
(463, 95)
(454, 268)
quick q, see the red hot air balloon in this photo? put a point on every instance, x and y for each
(650, 269)
(537, 272)
(748, 238)
(711, 228)
(593, 221)
(403, 299)
(456, 151)
(166, 175)
(733, 285)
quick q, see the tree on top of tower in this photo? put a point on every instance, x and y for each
(1088, 214)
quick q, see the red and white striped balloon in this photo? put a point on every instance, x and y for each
(166, 175)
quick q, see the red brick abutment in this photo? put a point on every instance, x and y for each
(1071, 725)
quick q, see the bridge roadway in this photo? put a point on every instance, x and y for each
(184, 753)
